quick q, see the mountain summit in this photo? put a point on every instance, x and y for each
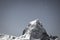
(34, 21)
(36, 31)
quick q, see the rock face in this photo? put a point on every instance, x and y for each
(34, 31)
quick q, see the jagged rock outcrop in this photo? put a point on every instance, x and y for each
(34, 31)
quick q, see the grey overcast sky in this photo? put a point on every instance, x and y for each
(16, 14)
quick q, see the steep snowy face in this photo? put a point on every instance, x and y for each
(36, 29)
(34, 22)
(36, 25)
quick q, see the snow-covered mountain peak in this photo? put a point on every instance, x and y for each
(34, 21)
(34, 31)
